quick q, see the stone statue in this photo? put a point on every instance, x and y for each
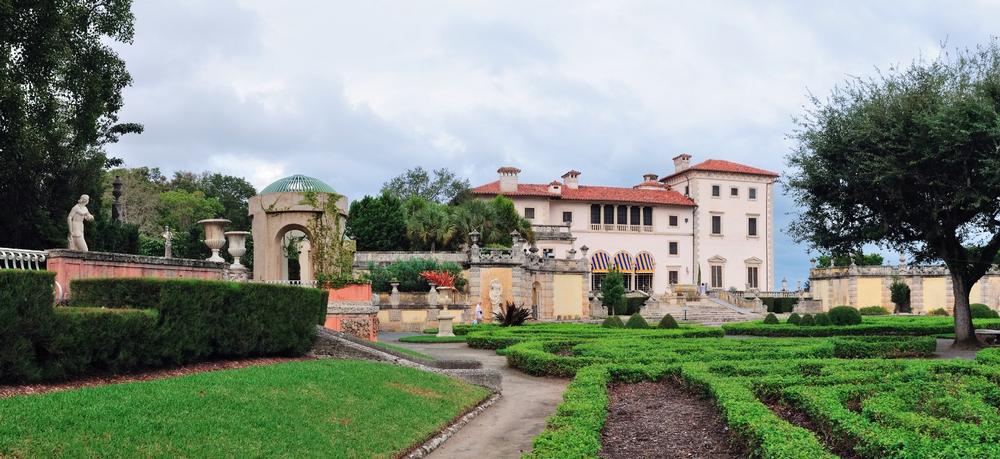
(76, 217)
(496, 293)
(168, 242)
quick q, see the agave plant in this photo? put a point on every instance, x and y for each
(511, 315)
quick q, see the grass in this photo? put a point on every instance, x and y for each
(404, 350)
(316, 408)
(429, 339)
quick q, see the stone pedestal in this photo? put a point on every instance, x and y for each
(445, 325)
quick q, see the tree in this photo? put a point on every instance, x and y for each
(141, 188)
(378, 223)
(900, 295)
(908, 160)
(233, 193)
(494, 220)
(60, 93)
(431, 227)
(445, 187)
(859, 259)
(181, 210)
(613, 291)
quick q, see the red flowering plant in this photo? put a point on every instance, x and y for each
(439, 278)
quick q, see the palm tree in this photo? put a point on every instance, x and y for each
(431, 226)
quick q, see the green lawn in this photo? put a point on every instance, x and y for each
(317, 408)
(405, 350)
(430, 339)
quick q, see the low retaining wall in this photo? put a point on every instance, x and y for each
(72, 264)
(359, 320)
(417, 317)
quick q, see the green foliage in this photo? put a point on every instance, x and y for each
(636, 321)
(25, 317)
(60, 94)
(770, 319)
(844, 315)
(501, 337)
(443, 188)
(900, 295)
(859, 259)
(431, 227)
(180, 209)
(872, 326)
(807, 321)
(431, 339)
(109, 236)
(407, 273)
(258, 411)
(982, 311)
(938, 312)
(613, 292)
(794, 319)
(613, 322)
(378, 223)
(873, 311)
(511, 315)
(668, 321)
(822, 319)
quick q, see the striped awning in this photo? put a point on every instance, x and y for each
(623, 262)
(599, 262)
(643, 263)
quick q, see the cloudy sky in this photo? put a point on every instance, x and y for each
(355, 92)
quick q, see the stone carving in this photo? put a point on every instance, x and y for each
(76, 217)
(496, 293)
(168, 242)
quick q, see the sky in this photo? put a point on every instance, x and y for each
(353, 93)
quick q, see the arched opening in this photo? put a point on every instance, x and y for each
(623, 264)
(599, 264)
(295, 255)
(535, 300)
(644, 268)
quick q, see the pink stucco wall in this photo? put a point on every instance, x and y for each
(351, 292)
(69, 265)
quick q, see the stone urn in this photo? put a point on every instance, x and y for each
(215, 238)
(237, 247)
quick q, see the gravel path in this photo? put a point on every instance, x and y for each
(506, 429)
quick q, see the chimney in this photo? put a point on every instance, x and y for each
(572, 179)
(508, 179)
(681, 162)
(649, 177)
(555, 187)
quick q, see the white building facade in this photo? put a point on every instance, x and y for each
(706, 223)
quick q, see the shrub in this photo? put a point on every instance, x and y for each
(982, 311)
(822, 319)
(439, 278)
(807, 321)
(510, 315)
(613, 322)
(794, 319)
(844, 315)
(900, 295)
(613, 292)
(407, 272)
(938, 312)
(771, 319)
(636, 321)
(668, 321)
(25, 315)
(873, 311)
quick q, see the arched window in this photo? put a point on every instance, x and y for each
(623, 263)
(644, 272)
(599, 264)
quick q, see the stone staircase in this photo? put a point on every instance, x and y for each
(707, 311)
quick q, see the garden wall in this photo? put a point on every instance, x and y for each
(69, 265)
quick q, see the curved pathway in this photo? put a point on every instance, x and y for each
(506, 429)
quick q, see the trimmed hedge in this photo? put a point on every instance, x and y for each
(873, 311)
(636, 321)
(613, 322)
(148, 323)
(844, 315)
(873, 325)
(771, 319)
(794, 319)
(807, 321)
(982, 311)
(668, 321)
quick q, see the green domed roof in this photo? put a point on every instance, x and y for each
(297, 183)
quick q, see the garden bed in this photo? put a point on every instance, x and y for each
(870, 326)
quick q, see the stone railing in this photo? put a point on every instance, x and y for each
(904, 270)
(22, 259)
(297, 283)
(363, 259)
(621, 228)
(736, 299)
(774, 294)
(501, 256)
(552, 232)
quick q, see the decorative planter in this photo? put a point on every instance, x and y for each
(237, 247)
(350, 292)
(215, 238)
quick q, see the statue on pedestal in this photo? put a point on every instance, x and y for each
(76, 217)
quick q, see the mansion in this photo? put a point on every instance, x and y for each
(710, 222)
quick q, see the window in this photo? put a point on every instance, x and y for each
(752, 277)
(752, 226)
(717, 225)
(609, 215)
(595, 214)
(644, 282)
(673, 248)
(647, 216)
(622, 215)
(673, 220)
(672, 277)
(752, 193)
(734, 192)
(633, 217)
(716, 276)
(567, 217)
(595, 281)
(529, 213)
(687, 190)
(548, 253)
(716, 191)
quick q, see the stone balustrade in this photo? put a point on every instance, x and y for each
(22, 259)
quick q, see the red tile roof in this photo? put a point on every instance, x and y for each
(651, 183)
(592, 194)
(719, 165)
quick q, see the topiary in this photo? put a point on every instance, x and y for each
(668, 321)
(822, 319)
(771, 320)
(982, 311)
(938, 312)
(794, 319)
(636, 321)
(844, 315)
(873, 311)
(807, 321)
(613, 322)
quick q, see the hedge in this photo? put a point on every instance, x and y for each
(147, 323)
(872, 325)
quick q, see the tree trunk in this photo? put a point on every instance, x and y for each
(965, 334)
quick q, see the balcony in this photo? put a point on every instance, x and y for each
(552, 232)
(613, 228)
